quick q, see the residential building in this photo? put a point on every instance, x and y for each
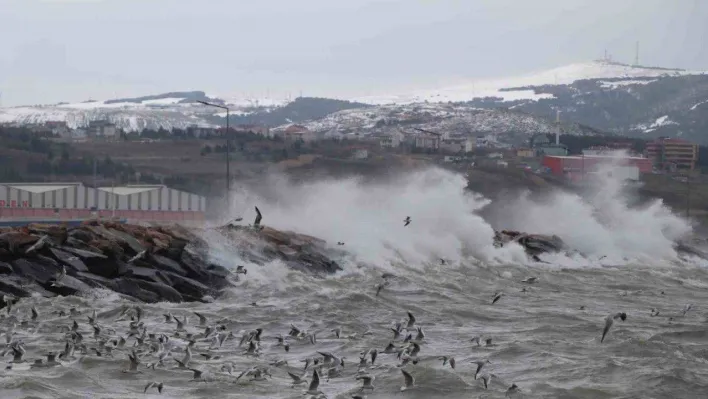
(102, 129)
(392, 140)
(257, 129)
(427, 141)
(457, 145)
(298, 133)
(59, 128)
(525, 153)
(669, 153)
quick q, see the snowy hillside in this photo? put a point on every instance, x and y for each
(166, 111)
(557, 76)
(444, 118)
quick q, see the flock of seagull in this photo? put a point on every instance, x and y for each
(178, 347)
(174, 348)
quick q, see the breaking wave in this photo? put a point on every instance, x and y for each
(446, 223)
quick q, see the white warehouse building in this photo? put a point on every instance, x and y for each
(144, 202)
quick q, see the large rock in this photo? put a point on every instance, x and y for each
(68, 286)
(72, 262)
(534, 244)
(34, 271)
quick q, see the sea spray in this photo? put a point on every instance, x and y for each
(367, 215)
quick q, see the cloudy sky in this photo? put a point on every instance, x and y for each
(73, 50)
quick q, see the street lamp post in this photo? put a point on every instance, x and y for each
(228, 149)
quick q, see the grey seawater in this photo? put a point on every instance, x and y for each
(541, 339)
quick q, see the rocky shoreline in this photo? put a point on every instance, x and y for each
(148, 264)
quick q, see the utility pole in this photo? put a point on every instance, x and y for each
(228, 149)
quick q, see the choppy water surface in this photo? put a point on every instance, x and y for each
(545, 336)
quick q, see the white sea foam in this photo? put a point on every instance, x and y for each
(368, 217)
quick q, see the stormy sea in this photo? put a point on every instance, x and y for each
(540, 339)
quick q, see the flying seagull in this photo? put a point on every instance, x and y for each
(257, 222)
(480, 364)
(497, 297)
(609, 320)
(367, 380)
(407, 221)
(314, 385)
(154, 384)
(408, 379)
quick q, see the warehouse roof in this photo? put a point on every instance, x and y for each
(128, 190)
(39, 188)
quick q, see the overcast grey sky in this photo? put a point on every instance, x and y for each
(72, 50)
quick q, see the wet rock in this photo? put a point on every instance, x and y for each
(534, 244)
(34, 271)
(167, 264)
(189, 288)
(81, 234)
(130, 241)
(84, 254)
(12, 286)
(164, 291)
(147, 274)
(72, 262)
(94, 280)
(68, 285)
(6, 268)
(130, 287)
(16, 242)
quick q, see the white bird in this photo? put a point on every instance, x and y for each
(486, 379)
(447, 360)
(408, 380)
(609, 320)
(529, 280)
(202, 319)
(686, 309)
(411, 321)
(157, 385)
(314, 385)
(298, 380)
(367, 380)
(140, 255)
(480, 364)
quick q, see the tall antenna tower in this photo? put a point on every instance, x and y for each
(636, 53)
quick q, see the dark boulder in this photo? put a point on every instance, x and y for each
(130, 287)
(14, 287)
(147, 274)
(72, 262)
(35, 271)
(68, 285)
(189, 288)
(167, 264)
(164, 291)
(94, 280)
(6, 268)
(109, 268)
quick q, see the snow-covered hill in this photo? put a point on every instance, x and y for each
(556, 76)
(166, 111)
(437, 117)
(180, 109)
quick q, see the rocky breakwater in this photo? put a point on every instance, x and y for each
(148, 264)
(264, 244)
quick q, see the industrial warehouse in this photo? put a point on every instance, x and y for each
(70, 201)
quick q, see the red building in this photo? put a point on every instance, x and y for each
(574, 166)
